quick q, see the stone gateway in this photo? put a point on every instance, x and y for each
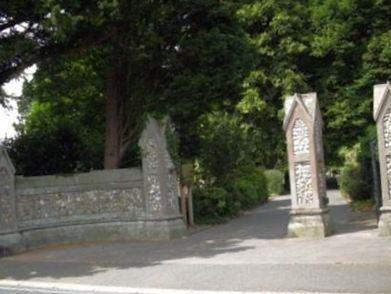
(382, 116)
(303, 127)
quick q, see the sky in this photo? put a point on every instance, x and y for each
(10, 116)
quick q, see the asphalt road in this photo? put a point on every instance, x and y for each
(248, 254)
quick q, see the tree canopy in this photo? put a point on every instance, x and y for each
(103, 65)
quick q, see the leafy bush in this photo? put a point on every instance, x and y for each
(241, 189)
(245, 192)
(210, 202)
(353, 183)
(356, 177)
(250, 186)
(227, 178)
(275, 181)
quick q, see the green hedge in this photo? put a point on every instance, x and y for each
(241, 190)
(353, 183)
(275, 181)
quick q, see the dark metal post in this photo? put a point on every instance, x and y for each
(376, 178)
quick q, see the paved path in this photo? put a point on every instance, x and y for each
(249, 253)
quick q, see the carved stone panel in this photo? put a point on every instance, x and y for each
(155, 194)
(172, 192)
(388, 172)
(160, 179)
(151, 164)
(4, 175)
(304, 189)
(300, 138)
(60, 205)
(6, 216)
(172, 184)
(6, 211)
(151, 155)
(387, 128)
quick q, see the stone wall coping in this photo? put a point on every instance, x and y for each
(91, 178)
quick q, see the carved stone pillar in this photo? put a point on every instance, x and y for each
(303, 127)
(10, 239)
(161, 186)
(382, 116)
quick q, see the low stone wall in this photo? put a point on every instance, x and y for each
(90, 197)
(123, 204)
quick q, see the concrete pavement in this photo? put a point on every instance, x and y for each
(249, 254)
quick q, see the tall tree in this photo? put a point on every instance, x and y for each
(38, 31)
(177, 57)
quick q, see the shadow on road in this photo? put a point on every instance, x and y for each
(265, 223)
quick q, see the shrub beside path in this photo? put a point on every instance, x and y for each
(249, 254)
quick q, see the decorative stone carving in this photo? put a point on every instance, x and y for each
(7, 193)
(6, 215)
(155, 199)
(382, 116)
(160, 179)
(387, 128)
(304, 190)
(80, 204)
(172, 192)
(388, 171)
(303, 126)
(4, 175)
(172, 184)
(151, 155)
(300, 138)
(151, 166)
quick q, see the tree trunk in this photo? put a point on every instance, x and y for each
(115, 93)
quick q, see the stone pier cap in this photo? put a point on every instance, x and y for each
(309, 103)
(380, 93)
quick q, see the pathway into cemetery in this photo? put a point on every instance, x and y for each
(249, 253)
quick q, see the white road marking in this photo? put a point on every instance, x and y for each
(45, 287)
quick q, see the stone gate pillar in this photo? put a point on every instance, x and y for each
(309, 216)
(382, 116)
(10, 239)
(161, 185)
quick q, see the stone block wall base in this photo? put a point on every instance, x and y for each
(311, 225)
(143, 230)
(11, 243)
(385, 222)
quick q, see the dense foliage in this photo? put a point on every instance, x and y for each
(275, 181)
(220, 69)
(356, 177)
(226, 196)
(227, 178)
